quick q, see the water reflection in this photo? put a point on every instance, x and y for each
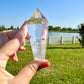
(62, 34)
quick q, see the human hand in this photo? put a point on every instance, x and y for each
(10, 42)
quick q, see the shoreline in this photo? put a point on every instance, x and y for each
(65, 31)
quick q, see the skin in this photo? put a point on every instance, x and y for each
(10, 42)
(44, 34)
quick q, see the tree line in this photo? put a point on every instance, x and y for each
(51, 28)
(64, 29)
(2, 28)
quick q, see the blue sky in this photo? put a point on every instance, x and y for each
(64, 13)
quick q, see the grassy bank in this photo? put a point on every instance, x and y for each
(67, 65)
(64, 31)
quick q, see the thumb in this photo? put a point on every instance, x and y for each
(25, 75)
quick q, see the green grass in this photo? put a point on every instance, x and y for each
(64, 31)
(67, 65)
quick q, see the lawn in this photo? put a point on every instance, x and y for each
(67, 64)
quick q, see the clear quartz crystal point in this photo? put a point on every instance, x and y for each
(37, 17)
(38, 28)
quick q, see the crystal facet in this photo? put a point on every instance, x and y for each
(37, 18)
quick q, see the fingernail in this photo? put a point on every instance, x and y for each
(44, 64)
(22, 47)
(14, 57)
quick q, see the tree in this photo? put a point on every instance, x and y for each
(69, 29)
(3, 27)
(11, 27)
(50, 27)
(57, 28)
(81, 32)
(75, 30)
(64, 29)
(17, 27)
(0, 28)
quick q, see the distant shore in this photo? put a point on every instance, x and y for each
(66, 31)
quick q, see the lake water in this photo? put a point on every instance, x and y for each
(62, 34)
